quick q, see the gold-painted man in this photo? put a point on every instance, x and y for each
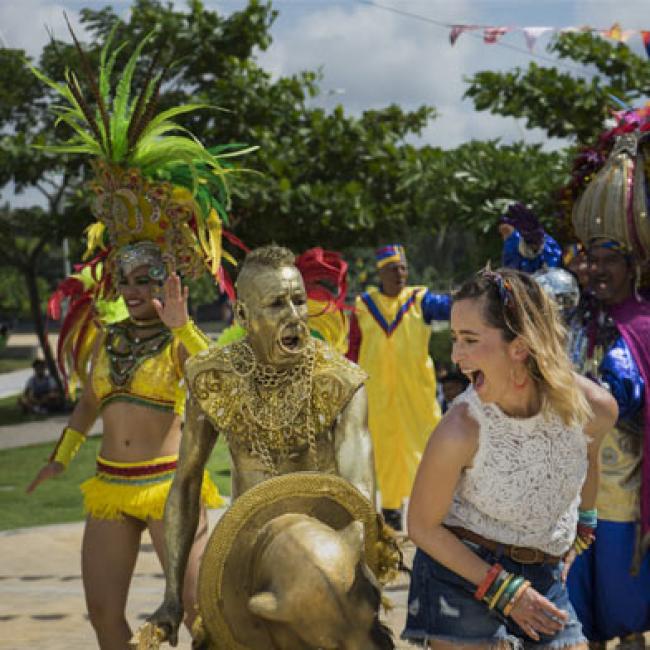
(285, 402)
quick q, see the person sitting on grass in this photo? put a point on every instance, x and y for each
(41, 394)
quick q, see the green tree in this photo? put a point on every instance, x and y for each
(458, 195)
(326, 178)
(560, 102)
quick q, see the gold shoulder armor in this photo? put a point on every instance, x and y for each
(336, 380)
(214, 358)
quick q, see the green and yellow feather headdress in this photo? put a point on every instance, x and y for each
(153, 180)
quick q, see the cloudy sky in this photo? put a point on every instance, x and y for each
(374, 52)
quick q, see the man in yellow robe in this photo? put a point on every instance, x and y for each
(389, 338)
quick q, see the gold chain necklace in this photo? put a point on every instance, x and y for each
(276, 401)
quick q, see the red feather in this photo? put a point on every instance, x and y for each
(318, 266)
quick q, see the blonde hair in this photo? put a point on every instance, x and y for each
(518, 306)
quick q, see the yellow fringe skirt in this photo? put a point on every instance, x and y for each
(137, 489)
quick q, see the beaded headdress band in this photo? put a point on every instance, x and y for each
(131, 256)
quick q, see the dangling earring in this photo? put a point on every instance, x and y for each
(519, 384)
(240, 315)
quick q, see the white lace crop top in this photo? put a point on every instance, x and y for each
(524, 484)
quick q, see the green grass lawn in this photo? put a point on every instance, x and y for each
(8, 365)
(59, 500)
(11, 413)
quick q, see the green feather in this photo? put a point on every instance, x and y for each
(168, 114)
(105, 70)
(164, 149)
(120, 115)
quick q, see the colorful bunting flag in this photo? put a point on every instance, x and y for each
(493, 34)
(645, 37)
(614, 32)
(531, 34)
(627, 33)
(457, 30)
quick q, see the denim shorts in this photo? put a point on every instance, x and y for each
(441, 605)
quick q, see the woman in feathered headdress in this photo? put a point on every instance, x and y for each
(158, 197)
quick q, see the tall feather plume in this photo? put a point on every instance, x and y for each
(92, 81)
(149, 109)
(150, 87)
(75, 89)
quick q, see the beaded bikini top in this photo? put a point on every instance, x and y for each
(139, 368)
(269, 412)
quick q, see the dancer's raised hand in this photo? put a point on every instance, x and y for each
(172, 309)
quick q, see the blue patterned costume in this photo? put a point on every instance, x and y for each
(610, 601)
(519, 255)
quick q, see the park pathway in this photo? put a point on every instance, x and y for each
(41, 595)
(12, 383)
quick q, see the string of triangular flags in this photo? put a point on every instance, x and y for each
(491, 35)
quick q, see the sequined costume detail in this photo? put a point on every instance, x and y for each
(269, 412)
(144, 370)
(519, 255)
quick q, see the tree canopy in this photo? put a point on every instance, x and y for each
(561, 103)
(319, 177)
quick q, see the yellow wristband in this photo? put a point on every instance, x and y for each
(500, 591)
(68, 446)
(192, 338)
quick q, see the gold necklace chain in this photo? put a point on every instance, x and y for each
(276, 401)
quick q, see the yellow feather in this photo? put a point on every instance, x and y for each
(214, 237)
(95, 234)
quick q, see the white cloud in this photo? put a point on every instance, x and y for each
(380, 57)
(25, 24)
(371, 57)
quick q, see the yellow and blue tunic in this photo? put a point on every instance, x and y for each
(402, 406)
(140, 489)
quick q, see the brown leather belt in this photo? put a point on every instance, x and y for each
(521, 554)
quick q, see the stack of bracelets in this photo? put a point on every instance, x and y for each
(586, 534)
(501, 590)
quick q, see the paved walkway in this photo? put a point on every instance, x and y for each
(13, 383)
(34, 433)
(41, 595)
